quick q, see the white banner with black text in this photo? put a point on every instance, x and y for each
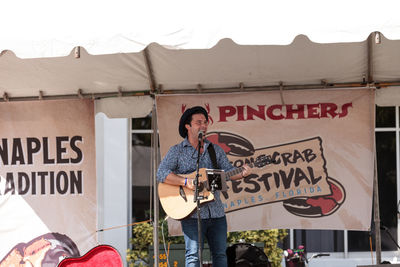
(47, 181)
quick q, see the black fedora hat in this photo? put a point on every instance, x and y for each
(186, 116)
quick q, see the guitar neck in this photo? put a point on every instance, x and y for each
(231, 173)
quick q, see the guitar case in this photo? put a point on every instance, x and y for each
(246, 255)
(100, 256)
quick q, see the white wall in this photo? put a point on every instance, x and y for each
(113, 181)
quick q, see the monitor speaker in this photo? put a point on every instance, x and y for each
(246, 255)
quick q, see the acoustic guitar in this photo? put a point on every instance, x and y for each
(179, 201)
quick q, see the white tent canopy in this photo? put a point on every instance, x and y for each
(131, 48)
(225, 67)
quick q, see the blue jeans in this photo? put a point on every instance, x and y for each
(215, 230)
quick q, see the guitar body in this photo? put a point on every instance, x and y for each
(178, 201)
(100, 256)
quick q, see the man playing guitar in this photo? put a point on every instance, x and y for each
(181, 159)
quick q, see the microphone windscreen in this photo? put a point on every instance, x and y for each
(200, 134)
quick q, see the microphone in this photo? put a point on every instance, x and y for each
(200, 134)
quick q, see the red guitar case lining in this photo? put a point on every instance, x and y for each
(100, 256)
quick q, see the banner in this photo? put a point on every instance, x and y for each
(320, 146)
(47, 181)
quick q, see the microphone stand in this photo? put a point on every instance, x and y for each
(197, 199)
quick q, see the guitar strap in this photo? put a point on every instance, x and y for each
(213, 157)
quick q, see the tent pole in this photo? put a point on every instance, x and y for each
(377, 220)
(261, 88)
(377, 217)
(155, 197)
(154, 149)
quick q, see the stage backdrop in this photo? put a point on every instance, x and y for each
(320, 143)
(48, 181)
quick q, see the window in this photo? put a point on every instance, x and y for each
(141, 172)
